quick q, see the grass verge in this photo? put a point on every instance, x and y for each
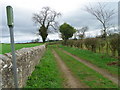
(85, 74)
(46, 73)
(99, 60)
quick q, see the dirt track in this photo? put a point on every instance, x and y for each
(105, 73)
(70, 80)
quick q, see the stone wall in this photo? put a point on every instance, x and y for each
(27, 59)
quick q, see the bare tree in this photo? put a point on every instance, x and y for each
(46, 19)
(81, 35)
(102, 14)
(81, 32)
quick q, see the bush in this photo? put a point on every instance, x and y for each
(114, 44)
(101, 44)
(75, 43)
(91, 44)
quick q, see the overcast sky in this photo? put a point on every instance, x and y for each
(72, 13)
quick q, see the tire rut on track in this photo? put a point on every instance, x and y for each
(103, 72)
(70, 80)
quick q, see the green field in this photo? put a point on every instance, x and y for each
(6, 48)
(98, 59)
(46, 73)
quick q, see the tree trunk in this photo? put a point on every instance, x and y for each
(65, 41)
(95, 49)
(107, 47)
(113, 52)
(81, 46)
(43, 33)
(43, 39)
(92, 47)
(99, 49)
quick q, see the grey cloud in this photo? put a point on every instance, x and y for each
(79, 17)
(25, 28)
(23, 23)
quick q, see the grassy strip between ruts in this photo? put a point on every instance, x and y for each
(85, 74)
(6, 48)
(99, 60)
(46, 73)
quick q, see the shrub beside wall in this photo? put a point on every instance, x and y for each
(27, 59)
(110, 46)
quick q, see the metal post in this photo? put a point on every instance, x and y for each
(118, 42)
(13, 57)
(10, 23)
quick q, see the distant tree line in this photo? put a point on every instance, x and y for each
(98, 44)
(107, 42)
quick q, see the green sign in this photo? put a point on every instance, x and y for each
(9, 16)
